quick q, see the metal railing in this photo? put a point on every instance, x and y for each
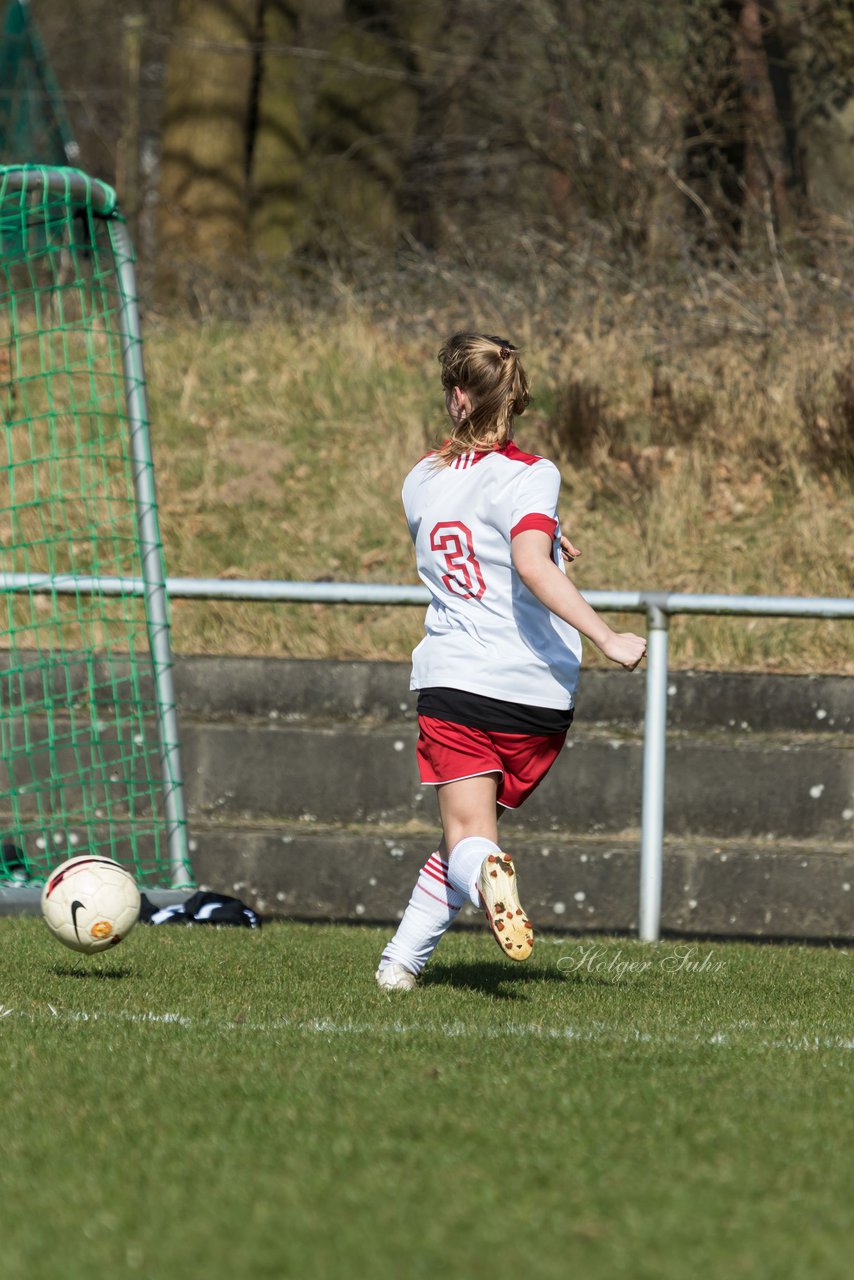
(659, 607)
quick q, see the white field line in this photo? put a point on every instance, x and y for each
(740, 1034)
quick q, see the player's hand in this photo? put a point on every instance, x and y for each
(625, 649)
(567, 550)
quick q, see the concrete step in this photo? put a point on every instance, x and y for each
(300, 690)
(303, 796)
(747, 756)
(304, 690)
(25, 900)
(762, 785)
(573, 884)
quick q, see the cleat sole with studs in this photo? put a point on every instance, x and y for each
(510, 926)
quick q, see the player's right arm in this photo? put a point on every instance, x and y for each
(531, 551)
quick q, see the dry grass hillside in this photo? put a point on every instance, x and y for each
(705, 434)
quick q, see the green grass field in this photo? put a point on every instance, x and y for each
(206, 1103)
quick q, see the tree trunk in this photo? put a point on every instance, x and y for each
(741, 149)
(278, 145)
(767, 204)
(202, 212)
(713, 166)
(365, 122)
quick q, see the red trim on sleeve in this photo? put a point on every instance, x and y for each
(547, 524)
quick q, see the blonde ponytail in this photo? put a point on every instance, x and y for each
(490, 372)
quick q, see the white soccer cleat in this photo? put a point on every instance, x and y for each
(510, 927)
(393, 977)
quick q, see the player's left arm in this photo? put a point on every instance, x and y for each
(531, 551)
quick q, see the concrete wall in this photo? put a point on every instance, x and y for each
(304, 798)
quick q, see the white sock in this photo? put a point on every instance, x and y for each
(465, 862)
(433, 907)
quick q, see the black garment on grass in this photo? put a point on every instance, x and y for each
(201, 908)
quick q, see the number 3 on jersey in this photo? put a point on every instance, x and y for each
(452, 539)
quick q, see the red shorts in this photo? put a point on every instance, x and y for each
(449, 752)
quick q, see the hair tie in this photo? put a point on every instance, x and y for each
(505, 348)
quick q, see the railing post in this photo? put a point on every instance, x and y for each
(652, 805)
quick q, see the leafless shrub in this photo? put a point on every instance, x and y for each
(677, 414)
(829, 423)
(579, 418)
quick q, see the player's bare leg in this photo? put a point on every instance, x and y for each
(481, 873)
(477, 866)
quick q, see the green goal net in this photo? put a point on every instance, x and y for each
(89, 756)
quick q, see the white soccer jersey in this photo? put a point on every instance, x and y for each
(486, 632)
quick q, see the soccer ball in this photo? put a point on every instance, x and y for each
(90, 903)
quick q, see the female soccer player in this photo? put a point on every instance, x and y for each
(497, 670)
